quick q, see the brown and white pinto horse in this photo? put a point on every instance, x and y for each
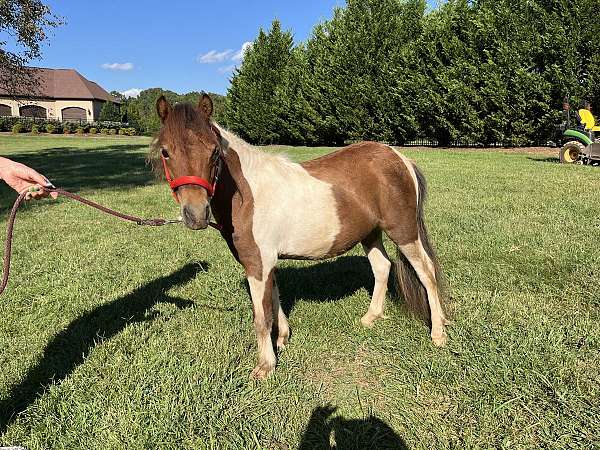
(270, 208)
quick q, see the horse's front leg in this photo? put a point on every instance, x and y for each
(262, 306)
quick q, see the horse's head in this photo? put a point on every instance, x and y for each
(188, 145)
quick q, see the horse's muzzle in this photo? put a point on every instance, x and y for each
(195, 218)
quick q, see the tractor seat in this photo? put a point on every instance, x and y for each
(588, 121)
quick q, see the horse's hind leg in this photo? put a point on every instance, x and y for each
(425, 270)
(279, 319)
(380, 264)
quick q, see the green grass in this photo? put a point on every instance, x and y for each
(113, 336)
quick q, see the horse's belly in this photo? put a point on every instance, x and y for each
(310, 238)
(299, 223)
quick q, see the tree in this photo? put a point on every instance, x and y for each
(253, 106)
(28, 22)
(141, 111)
(110, 112)
(359, 70)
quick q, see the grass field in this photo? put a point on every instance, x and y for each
(114, 337)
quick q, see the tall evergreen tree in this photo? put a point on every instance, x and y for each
(254, 107)
(358, 62)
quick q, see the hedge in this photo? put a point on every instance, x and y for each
(51, 126)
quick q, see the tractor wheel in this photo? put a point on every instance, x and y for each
(571, 152)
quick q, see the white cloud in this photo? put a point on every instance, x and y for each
(226, 69)
(118, 66)
(214, 56)
(133, 92)
(239, 55)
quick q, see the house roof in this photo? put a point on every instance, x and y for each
(65, 83)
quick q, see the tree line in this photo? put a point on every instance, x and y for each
(140, 112)
(480, 71)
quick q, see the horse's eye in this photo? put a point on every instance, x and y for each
(164, 153)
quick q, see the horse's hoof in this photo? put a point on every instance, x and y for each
(282, 342)
(262, 371)
(369, 319)
(439, 341)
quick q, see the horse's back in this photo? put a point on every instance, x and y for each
(352, 157)
(365, 172)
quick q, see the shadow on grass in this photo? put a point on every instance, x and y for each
(348, 434)
(550, 159)
(74, 169)
(69, 348)
(325, 281)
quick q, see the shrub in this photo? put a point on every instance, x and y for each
(35, 129)
(80, 130)
(93, 130)
(131, 131)
(17, 128)
(66, 129)
(6, 124)
(50, 128)
(25, 125)
(122, 131)
(112, 131)
(104, 131)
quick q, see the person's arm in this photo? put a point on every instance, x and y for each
(24, 179)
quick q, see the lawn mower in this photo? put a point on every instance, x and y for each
(578, 143)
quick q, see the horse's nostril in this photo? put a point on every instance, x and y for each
(187, 215)
(193, 217)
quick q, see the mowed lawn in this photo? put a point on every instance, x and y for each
(114, 336)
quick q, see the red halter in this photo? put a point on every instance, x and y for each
(193, 180)
(187, 180)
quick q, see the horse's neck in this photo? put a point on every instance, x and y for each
(234, 156)
(242, 158)
(231, 182)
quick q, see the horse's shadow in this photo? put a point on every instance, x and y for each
(370, 432)
(325, 281)
(70, 347)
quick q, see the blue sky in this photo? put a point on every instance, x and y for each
(178, 45)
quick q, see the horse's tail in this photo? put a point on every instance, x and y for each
(408, 282)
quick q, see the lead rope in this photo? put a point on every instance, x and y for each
(19, 201)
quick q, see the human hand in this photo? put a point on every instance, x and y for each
(24, 179)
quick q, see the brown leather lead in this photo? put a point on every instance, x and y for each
(104, 209)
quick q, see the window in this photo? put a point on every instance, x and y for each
(32, 111)
(5, 110)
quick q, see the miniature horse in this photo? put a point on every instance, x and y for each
(269, 208)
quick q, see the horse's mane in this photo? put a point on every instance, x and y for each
(251, 157)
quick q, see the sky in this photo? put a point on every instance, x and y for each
(183, 46)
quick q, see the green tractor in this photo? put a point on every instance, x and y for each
(579, 144)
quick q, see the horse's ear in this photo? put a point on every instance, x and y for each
(163, 108)
(206, 105)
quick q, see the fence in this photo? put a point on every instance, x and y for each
(426, 142)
